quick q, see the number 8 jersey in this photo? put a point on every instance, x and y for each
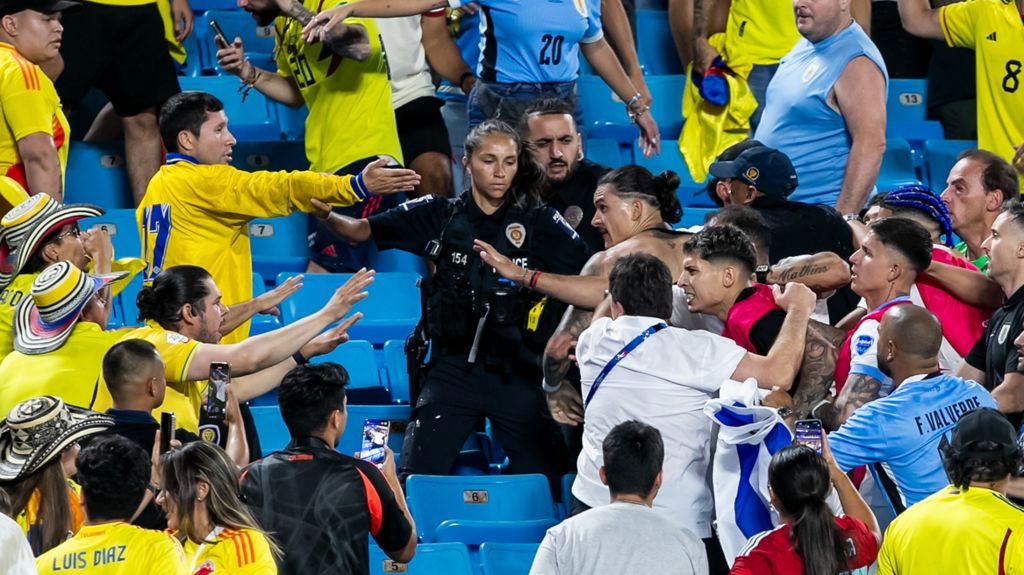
(533, 41)
(995, 31)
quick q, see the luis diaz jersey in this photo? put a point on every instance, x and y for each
(995, 31)
(29, 105)
(115, 549)
(350, 113)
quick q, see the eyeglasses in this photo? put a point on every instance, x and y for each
(75, 231)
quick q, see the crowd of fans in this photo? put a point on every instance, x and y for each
(670, 369)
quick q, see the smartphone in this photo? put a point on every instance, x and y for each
(218, 34)
(168, 423)
(216, 391)
(809, 433)
(375, 440)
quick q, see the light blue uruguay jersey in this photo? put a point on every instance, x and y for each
(533, 41)
(898, 435)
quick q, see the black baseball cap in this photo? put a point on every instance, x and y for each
(767, 169)
(984, 425)
(730, 153)
(44, 6)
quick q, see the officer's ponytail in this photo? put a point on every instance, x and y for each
(658, 191)
(525, 188)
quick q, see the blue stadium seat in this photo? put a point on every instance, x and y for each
(124, 232)
(604, 152)
(477, 532)
(507, 558)
(433, 499)
(358, 359)
(391, 310)
(261, 323)
(398, 261)
(917, 131)
(690, 193)
(235, 24)
(273, 155)
(396, 369)
(96, 174)
(124, 312)
(655, 46)
(193, 55)
(279, 245)
(907, 101)
(897, 166)
(667, 92)
(254, 119)
(292, 121)
(204, 5)
(274, 435)
(940, 157)
(430, 559)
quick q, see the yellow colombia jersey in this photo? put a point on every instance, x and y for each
(71, 372)
(350, 114)
(759, 32)
(988, 536)
(993, 28)
(199, 214)
(235, 552)
(184, 398)
(9, 299)
(115, 549)
(29, 105)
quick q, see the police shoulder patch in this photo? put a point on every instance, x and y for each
(863, 344)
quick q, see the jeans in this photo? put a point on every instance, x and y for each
(758, 80)
(507, 102)
(456, 118)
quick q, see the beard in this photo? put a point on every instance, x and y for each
(569, 172)
(266, 16)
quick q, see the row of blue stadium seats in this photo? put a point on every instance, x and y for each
(455, 559)
(96, 174)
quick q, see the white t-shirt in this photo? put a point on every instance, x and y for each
(664, 383)
(15, 554)
(403, 42)
(620, 538)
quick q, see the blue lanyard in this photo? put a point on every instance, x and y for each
(621, 356)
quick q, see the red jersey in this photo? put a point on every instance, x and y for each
(747, 312)
(771, 552)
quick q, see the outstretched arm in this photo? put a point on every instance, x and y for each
(265, 303)
(920, 19)
(822, 272)
(352, 229)
(971, 287)
(346, 40)
(583, 291)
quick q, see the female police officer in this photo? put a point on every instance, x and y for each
(485, 332)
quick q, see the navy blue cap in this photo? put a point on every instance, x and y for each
(43, 6)
(767, 169)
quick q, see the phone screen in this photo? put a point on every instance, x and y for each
(216, 392)
(168, 423)
(809, 433)
(375, 439)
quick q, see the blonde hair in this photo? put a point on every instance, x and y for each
(181, 470)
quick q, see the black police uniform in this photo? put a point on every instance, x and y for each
(995, 352)
(487, 335)
(574, 199)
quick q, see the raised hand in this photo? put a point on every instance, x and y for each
(380, 179)
(329, 340)
(269, 301)
(349, 293)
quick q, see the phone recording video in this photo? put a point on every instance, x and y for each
(375, 440)
(809, 433)
(216, 391)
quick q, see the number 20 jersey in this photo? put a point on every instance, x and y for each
(350, 113)
(995, 31)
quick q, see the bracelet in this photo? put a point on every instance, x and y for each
(850, 217)
(153, 488)
(634, 116)
(299, 359)
(523, 281)
(533, 280)
(636, 98)
(249, 84)
(549, 389)
(816, 406)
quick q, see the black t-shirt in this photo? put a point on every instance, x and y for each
(995, 353)
(765, 330)
(321, 506)
(802, 229)
(574, 199)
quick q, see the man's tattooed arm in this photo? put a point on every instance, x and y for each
(346, 40)
(859, 390)
(816, 372)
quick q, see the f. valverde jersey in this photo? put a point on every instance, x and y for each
(29, 105)
(115, 549)
(534, 41)
(350, 113)
(995, 30)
